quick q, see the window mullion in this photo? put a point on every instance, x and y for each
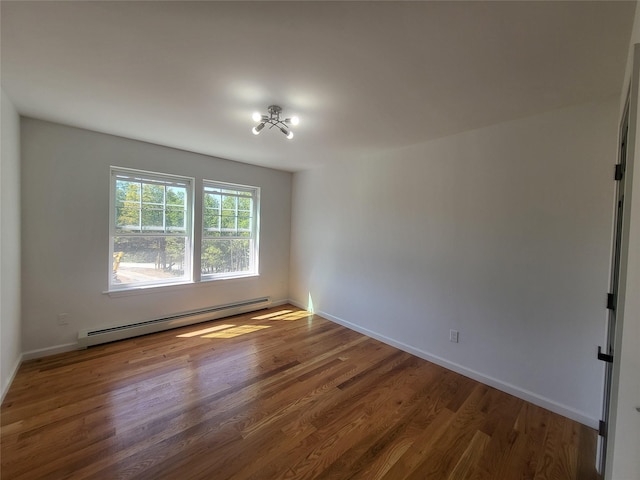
(140, 208)
(164, 209)
(235, 223)
(195, 224)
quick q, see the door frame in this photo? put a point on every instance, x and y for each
(620, 302)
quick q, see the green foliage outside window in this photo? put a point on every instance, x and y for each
(150, 208)
(228, 230)
(151, 229)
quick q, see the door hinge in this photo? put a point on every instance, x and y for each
(611, 301)
(619, 172)
(604, 357)
(602, 428)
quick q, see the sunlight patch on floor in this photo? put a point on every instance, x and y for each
(292, 316)
(283, 315)
(230, 331)
(197, 333)
(271, 315)
(236, 331)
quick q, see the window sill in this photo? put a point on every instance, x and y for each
(207, 279)
(151, 289)
(143, 290)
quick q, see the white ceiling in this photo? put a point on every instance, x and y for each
(362, 76)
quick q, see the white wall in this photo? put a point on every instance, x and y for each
(502, 233)
(623, 456)
(65, 195)
(10, 341)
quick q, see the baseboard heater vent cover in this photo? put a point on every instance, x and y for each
(87, 338)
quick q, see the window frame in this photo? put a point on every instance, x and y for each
(151, 178)
(254, 237)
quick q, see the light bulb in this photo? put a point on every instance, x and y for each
(256, 130)
(290, 135)
(256, 116)
(295, 120)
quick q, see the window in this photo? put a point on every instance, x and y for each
(152, 233)
(229, 230)
(150, 229)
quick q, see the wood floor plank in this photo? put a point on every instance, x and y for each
(422, 445)
(293, 397)
(470, 456)
(440, 460)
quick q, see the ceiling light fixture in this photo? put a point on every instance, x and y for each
(274, 120)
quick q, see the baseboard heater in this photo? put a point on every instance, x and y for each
(87, 338)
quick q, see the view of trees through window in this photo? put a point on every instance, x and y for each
(152, 233)
(228, 230)
(151, 230)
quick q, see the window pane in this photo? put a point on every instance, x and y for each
(244, 204)
(244, 223)
(152, 220)
(212, 201)
(127, 219)
(144, 259)
(211, 224)
(127, 192)
(176, 196)
(152, 193)
(225, 256)
(228, 224)
(176, 221)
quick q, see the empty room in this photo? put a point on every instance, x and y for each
(320, 239)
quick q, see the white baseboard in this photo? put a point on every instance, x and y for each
(14, 371)
(45, 352)
(523, 394)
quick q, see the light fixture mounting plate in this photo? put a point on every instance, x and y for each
(274, 109)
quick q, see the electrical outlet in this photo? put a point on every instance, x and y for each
(63, 319)
(453, 336)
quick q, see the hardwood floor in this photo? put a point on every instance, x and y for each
(298, 398)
